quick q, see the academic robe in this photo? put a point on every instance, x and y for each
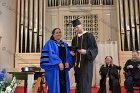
(84, 73)
(49, 61)
(132, 75)
(111, 72)
(134, 72)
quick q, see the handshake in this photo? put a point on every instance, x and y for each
(74, 49)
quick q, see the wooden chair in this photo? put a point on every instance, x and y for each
(136, 86)
(107, 79)
(39, 82)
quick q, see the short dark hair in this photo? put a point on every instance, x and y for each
(108, 56)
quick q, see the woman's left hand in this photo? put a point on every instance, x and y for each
(66, 65)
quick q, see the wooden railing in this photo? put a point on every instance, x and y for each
(52, 3)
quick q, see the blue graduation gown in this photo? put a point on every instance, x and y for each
(49, 61)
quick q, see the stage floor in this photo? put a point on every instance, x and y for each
(20, 89)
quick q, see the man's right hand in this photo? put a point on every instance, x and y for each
(130, 66)
(61, 66)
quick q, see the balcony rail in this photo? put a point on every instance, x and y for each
(53, 3)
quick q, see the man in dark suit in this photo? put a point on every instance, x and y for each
(132, 69)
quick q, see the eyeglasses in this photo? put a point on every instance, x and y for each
(57, 32)
(77, 27)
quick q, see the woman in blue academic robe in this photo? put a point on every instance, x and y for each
(56, 61)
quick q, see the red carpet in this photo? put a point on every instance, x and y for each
(20, 89)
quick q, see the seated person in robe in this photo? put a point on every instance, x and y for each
(109, 77)
(56, 61)
(132, 69)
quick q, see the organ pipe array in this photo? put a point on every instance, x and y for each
(129, 20)
(30, 25)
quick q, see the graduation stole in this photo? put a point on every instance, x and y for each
(78, 63)
(137, 59)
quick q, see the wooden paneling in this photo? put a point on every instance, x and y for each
(25, 59)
